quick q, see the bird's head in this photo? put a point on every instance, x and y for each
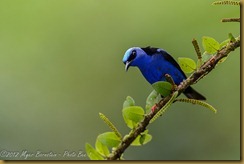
(133, 57)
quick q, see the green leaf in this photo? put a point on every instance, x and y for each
(129, 101)
(133, 115)
(101, 148)
(206, 56)
(130, 123)
(210, 45)
(162, 87)
(224, 43)
(142, 139)
(231, 37)
(187, 65)
(153, 98)
(92, 153)
(109, 139)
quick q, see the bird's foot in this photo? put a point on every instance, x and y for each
(154, 107)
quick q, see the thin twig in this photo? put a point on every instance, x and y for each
(231, 20)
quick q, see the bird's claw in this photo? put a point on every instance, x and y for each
(153, 108)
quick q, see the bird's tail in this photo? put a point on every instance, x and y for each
(193, 94)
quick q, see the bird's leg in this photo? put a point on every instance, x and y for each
(154, 107)
(174, 86)
(171, 81)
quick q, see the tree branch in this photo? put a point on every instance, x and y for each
(194, 78)
(231, 20)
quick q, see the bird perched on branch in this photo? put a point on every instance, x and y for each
(154, 64)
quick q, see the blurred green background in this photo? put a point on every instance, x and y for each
(61, 64)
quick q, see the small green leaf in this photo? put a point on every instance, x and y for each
(187, 65)
(231, 37)
(92, 153)
(109, 139)
(142, 139)
(210, 45)
(153, 98)
(206, 56)
(129, 101)
(130, 123)
(133, 115)
(101, 148)
(224, 43)
(162, 87)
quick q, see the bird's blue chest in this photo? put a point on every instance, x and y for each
(156, 68)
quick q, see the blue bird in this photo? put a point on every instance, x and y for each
(154, 63)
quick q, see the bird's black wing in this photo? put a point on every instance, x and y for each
(150, 50)
(153, 51)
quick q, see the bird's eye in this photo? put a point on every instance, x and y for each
(132, 56)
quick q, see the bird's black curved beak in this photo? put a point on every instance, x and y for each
(127, 65)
